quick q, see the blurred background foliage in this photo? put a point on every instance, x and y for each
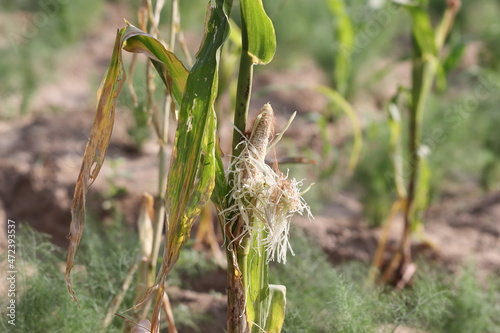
(324, 299)
(467, 152)
(37, 35)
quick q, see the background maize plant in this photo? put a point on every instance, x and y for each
(191, 210)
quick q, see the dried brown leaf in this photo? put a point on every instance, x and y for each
(95, 152)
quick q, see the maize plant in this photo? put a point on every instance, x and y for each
(255, 201)
(412, 178)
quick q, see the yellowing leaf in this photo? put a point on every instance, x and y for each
(95, 151)
(174, 75)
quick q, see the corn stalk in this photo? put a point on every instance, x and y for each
(345, 34)
(244, 285)
(412, 200)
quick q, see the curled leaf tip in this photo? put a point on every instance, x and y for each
(142, 327)
(71, 291)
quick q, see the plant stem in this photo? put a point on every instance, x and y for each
(424, 72)
(236, 318)
(243, 93)
(162, 133)
(238, 251)
(256, 277)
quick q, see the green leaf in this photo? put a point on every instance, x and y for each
(345, 39)
(256, 279)
(422, 31)
(422, 193)
(259, 38)
(220, 189)
(171, 70)
(192, 170)
(275, 313)
(396, 144)
(441, 81)
(191, 178)
(454, 56)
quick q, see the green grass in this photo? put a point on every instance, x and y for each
(321, 298)
(474, 309)
(104, 259)
(44, 304)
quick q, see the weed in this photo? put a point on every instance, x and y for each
(44, 305)
(326, 299)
